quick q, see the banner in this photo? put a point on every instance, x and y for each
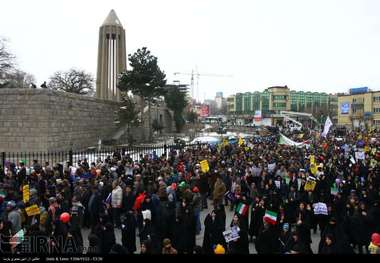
(25, 193)
(327, 127)
(32, 210)
(286, 141)
(204, 166)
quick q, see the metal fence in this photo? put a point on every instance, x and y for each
(91, 154)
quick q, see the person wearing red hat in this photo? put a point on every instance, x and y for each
(374, 246)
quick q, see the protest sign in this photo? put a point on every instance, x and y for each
(232, 234)
(32, 210)
(360, 155)
(25, 193)
(204, 166)
(320, 209)
(310, 185)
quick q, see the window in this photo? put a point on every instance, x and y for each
(376, 99)
(376, 110)
(279, 105)
(279, 97)
(376, 122)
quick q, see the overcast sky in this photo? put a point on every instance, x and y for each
(311, 45)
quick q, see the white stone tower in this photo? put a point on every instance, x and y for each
(111, 58)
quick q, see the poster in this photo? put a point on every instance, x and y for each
(345, 108)
(32, 210)
(320, 209)
(25, 193)
(232, 234)
(310, 185)
(204, 166)
(204, 111)
(271, 167)
(360, 155)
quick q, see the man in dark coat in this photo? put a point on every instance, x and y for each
(213, 233)
(186, 229)
(267, 241)
(95, 206)
(339, 237)
(128, 231)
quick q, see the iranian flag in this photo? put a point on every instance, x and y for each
(334, 190)
(242, 209)
(17, 238)
(270, 217)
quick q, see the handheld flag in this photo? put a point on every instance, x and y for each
(270, 217)
(242, 209)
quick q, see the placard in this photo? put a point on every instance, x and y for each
(320, 209)
(25, 193)
(204, 166)
(360, 155)
(32, 210)
(232, 234)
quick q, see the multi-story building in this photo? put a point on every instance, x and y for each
(275, 99)
(219, 100)
(359, 108)
(231, 103)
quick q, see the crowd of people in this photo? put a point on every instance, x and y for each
(156, 202)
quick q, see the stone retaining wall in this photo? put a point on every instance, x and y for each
(43, 120)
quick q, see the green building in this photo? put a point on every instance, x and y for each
(275, 99)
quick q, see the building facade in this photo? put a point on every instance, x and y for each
(273, 100)
(359, 108)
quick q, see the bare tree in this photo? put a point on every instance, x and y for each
(7, 59)
(17, 79)
(73, 81)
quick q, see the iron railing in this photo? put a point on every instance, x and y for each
(91, 154)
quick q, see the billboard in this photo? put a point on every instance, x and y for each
(204, 111)
(359, 90)
(345, 108)
(258, 115)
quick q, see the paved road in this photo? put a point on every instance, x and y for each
(199, 240)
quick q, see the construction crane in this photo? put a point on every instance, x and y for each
(197, 75)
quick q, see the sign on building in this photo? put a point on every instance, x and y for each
(258, 115)
(345, 108)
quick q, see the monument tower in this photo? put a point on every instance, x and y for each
(111, 57)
